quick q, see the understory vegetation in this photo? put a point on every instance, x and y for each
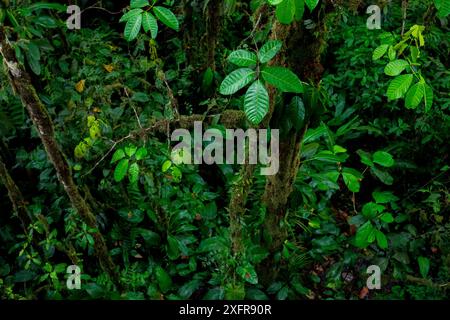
(88, 176)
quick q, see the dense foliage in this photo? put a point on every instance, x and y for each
(364, 119)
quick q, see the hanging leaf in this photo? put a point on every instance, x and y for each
(399, 86)
(243, 58)
(380, 51)
(132, 27)
(149, 23)
(424, 266)
(383, 158)
(312, 4)
(256, 104)
(121, 170)
(237, 80)
(381, 239)
(283, 79)
(167, 17)
(133, 173)
(118, 155)
(428, 94)
(269, 50)
(285, 11)
(415, 95)
(297, 112)
(394, 68)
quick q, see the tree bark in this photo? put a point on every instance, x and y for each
(23, 87)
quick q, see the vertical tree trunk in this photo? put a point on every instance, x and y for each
(15, 195)
(23, 87)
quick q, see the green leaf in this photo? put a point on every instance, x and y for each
(243, 58)
(384, 176)
(394, 68)
(133, 173)
(381, 239)
(387, 217)
(297, 112)
(275, 2)
(130, 150)
(237, 80)
(312, 4)
(141, 153)
(269, 50)
(34, 64)
(163, 279)
(173, 248)
(149, 23)
(285, 11)
(415, 95)
(443, 7)
(166, 166)
(139, 3)
(132, 27)
(383, 158)
(362, 235)
(299, 9)
(428, 97)
(131, 14)
(351, 180)
(121, 170)
(256, 103)
(384, 197)
(399, 86)
(34, 51)
(118, 155)
(380, 51)
(371, 209)
(167, 17)
(424, 266)
(248, 273)
(283, 79)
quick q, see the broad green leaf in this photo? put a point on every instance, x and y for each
(256, 103)
(121, 170)
(132, 27)
(297, 112)
(371, 209)
(283, 79)
(269, 50)
(380, 51)
(362, 235)
(384, 176)
(34, 64)
(285, 11)
(384, 196)
(141, 153)
(415, 95)
(424, 266)
(399, 86)
(133, 173)
(366, 158)
(167, 17)
(149, 23)
(130, 150)
(299, 9)
(163, 279)
(237, 80)
(139, 3)
(34, 51)
(383, 158)
(443, 7)
(394, 68)
(428, 94)
(131, 14)
(248, 273)
(118, 155)
(381, 239)
(166, 166)
(312, 4)
(351, 181)
(387, 217)
(243, 58)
